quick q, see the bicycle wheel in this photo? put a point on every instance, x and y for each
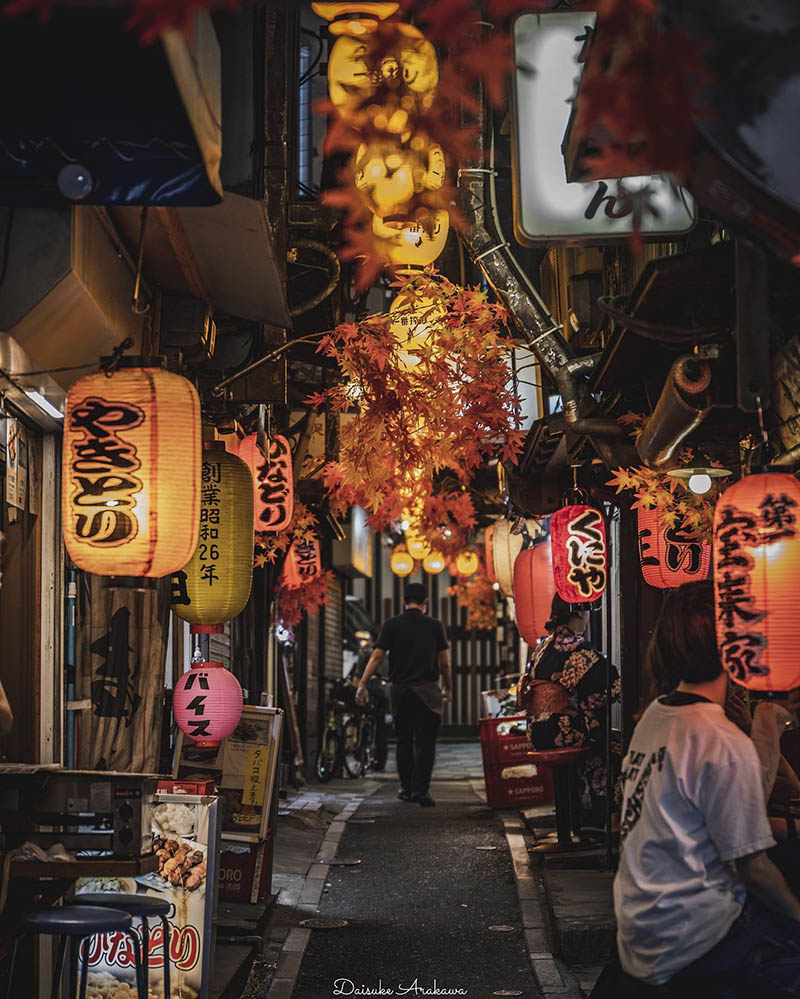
(353, 749)
(328, 756)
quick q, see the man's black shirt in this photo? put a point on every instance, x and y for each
(413, 641)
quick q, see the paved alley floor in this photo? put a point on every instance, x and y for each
(421, 902)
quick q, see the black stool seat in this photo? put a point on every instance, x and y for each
(136, 905)
(76, 921)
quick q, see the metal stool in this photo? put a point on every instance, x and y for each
(78, 923)
(139, 907)
(564, 764)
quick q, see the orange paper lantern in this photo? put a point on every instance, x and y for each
(131, 471)
(401, 563)
(303, 563)
(670, 556)
(273, 485)
(580, 553)
(756, 580)
(534, 588)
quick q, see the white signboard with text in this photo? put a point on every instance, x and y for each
(547, 207)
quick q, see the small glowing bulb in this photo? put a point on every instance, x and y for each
(495, 586)
(448, 533)
(700, 483)
(404, 525)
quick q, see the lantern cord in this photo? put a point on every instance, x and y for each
(136, 306)
(110, 364)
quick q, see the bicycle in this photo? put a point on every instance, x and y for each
(330, 755)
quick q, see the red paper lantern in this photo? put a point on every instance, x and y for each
(580, 553)
(534, 587)
(671, 556)
(756, 580)
(273, 485)
(207, 703)
(303, 563)
(489, 559)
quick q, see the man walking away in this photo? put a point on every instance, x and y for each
(418, 654)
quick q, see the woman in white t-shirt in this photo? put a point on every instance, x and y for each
(696, 895)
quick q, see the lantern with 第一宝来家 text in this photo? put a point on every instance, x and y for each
(214, 586)
(131, 472)
(580, 553)
(756, 580)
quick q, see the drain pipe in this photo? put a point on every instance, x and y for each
(682, 406)
(484, 241)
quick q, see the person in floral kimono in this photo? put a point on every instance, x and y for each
(564, 694)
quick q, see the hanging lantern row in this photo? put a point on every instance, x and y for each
(207, 703)
(505, 549)
(401, 562)
(580, 553)
(214, 586)
(670, 556)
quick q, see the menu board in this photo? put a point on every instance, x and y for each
(186, 839)
(16, 463)
(244, 767)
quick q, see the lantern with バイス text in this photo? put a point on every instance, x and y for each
(207, 703)
(580, 553)
(534, 588)
(273, 485)
(303, 563)
(214, 586)
(756, 580)
(670, 556)
(131, 471)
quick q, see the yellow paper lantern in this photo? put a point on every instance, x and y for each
(401, 562)
(433, 563)
(412, 320)
(409, 243)
(417, 545)
(388, 174)
(131, 471)
(214, 586)
(467, 563)
(362, 19)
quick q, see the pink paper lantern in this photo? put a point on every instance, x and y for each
(207, 703)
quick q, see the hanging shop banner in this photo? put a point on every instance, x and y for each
(186, 837)
(121, 653)
(580, 553)
(548, 208)
(303, 563)
(16, 463)
(273, 484)
(670, 555)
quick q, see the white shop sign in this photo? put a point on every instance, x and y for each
(548, 208)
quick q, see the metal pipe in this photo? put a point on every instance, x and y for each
(682, 406)
(789, 459)
(69, 664)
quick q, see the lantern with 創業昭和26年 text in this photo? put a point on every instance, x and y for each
(214, 586)
(131, 471)
(580, 553)
(756, 580)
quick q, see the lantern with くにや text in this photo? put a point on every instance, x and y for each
(214, 585)
(756, 579)
(580, 553)
(401, 563)
(534, 588)
(273, 482)
(131, 471)
(303, 563)
(670, 555)
(207, 703)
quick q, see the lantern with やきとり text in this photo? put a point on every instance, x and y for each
(131, 471)
(467, 563)
(580, 553)
(273, 484)
(756, 580)
(401, 562)
(534, 588)
(670, 556)
(207, 703)
(214, 586)
(303, 563)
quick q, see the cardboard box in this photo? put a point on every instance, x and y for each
(245, 870)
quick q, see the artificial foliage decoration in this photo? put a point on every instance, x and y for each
(292, 605)
(670, 555)
(756, 579)
(478, 596)
(269, 548)
(416, 435)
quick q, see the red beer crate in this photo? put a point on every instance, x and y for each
(511, 779)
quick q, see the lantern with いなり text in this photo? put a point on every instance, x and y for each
(131, 471)
(433, 563)
(273, 483)
(207, 703)
(401, 563)
(670, 556)
(756, 580)
(214, 585)
(467, 563)
(580, 553)
(505, 548)
(534, 588)
(489, 554)
(303, 563)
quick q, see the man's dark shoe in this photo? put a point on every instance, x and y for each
(424, 799)
(404, 795)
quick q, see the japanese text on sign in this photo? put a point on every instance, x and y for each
(208, 548)
(586, 553)
(275, 486)
(197, 727)
(255, 781)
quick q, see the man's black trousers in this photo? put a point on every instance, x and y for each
(416, 727)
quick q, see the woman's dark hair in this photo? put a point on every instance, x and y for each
(561, 613)
(684, 643)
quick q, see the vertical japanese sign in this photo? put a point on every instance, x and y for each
(303, 563)
(16, 463)
(208, 550)
(670, 554)
(580, 553)
(275, 488)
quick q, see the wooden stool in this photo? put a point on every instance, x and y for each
(564, 765)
